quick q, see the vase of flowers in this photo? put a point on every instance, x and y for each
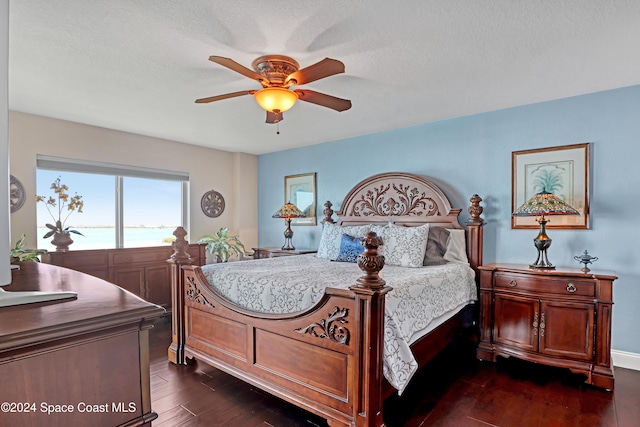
(60, 206)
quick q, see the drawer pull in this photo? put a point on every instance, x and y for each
(513, 283)
(535, 323)
(571, 288)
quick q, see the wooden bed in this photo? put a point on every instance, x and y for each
(328, 359)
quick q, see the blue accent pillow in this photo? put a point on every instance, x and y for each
(350, 248)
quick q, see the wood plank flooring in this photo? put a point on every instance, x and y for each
(454, 390)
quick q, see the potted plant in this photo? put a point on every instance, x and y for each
(20, 253)
(60, 201)
(223, 245)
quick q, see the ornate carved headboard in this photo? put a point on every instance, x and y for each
(411, 200)
(401, 198)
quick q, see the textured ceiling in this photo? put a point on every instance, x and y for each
(138, 65)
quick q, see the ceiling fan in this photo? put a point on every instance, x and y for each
(276, 74)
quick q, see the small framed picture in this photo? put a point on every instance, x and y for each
(301, 191)
(563, 171)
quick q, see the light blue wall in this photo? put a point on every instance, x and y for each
(473, 155)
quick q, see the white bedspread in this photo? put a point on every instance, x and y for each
(295, 283)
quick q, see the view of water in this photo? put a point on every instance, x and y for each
(105, 238)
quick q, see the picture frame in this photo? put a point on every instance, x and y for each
(301, 191)
(564, 168)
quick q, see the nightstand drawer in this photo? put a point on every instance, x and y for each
(555, 285)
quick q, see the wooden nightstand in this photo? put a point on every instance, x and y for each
(559, 317)
(277, 252)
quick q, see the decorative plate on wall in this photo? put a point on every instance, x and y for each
(212, 204)
(16, 194)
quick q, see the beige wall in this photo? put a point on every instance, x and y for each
(234, 175)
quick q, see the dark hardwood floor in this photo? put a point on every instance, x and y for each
(453, 390)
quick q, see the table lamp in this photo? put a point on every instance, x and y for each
(288, 211)
(541, 204)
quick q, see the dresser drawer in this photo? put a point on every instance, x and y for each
(78, 260)
(137, 255)
(555, 285)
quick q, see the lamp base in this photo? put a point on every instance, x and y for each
(288, 235)
(542, 243)
(288, 246)
(542, 266)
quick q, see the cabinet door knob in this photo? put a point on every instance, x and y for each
(513, 283)
(542, 325)
(571, 288)
(535, 323)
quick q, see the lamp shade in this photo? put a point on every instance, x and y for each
(545, 203)
(288, 211)
(275, 99)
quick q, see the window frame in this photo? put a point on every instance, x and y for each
(119, 172)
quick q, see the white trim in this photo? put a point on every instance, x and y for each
(5, 221)
(102, 168)
(625, 359)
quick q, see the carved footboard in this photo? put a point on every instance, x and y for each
(327, 360)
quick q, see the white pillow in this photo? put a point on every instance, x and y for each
(405, 246)
(456, 247)
(329, 246)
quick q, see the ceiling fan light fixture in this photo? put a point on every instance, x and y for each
(275, 99)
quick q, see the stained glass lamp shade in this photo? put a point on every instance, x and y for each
(541, 204)
(288, 211)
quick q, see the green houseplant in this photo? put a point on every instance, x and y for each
(223, 245)
(20, 253)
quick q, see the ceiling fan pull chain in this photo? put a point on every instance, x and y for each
(278, 128)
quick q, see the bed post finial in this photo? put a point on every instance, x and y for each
(370, 262)
(180, 247)
(475, 210)
(328, 212)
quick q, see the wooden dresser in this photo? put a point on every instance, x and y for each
(559, 317)
(76, 362)
(142, 271)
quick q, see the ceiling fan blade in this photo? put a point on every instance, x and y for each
(325, 68)
(233, 65)
(324, 100)
(274, 117)
(225, 96)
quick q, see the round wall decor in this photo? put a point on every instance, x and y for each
(16, 194)
(212, 204)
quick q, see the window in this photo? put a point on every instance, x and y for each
(150, 212)
(123, 206)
